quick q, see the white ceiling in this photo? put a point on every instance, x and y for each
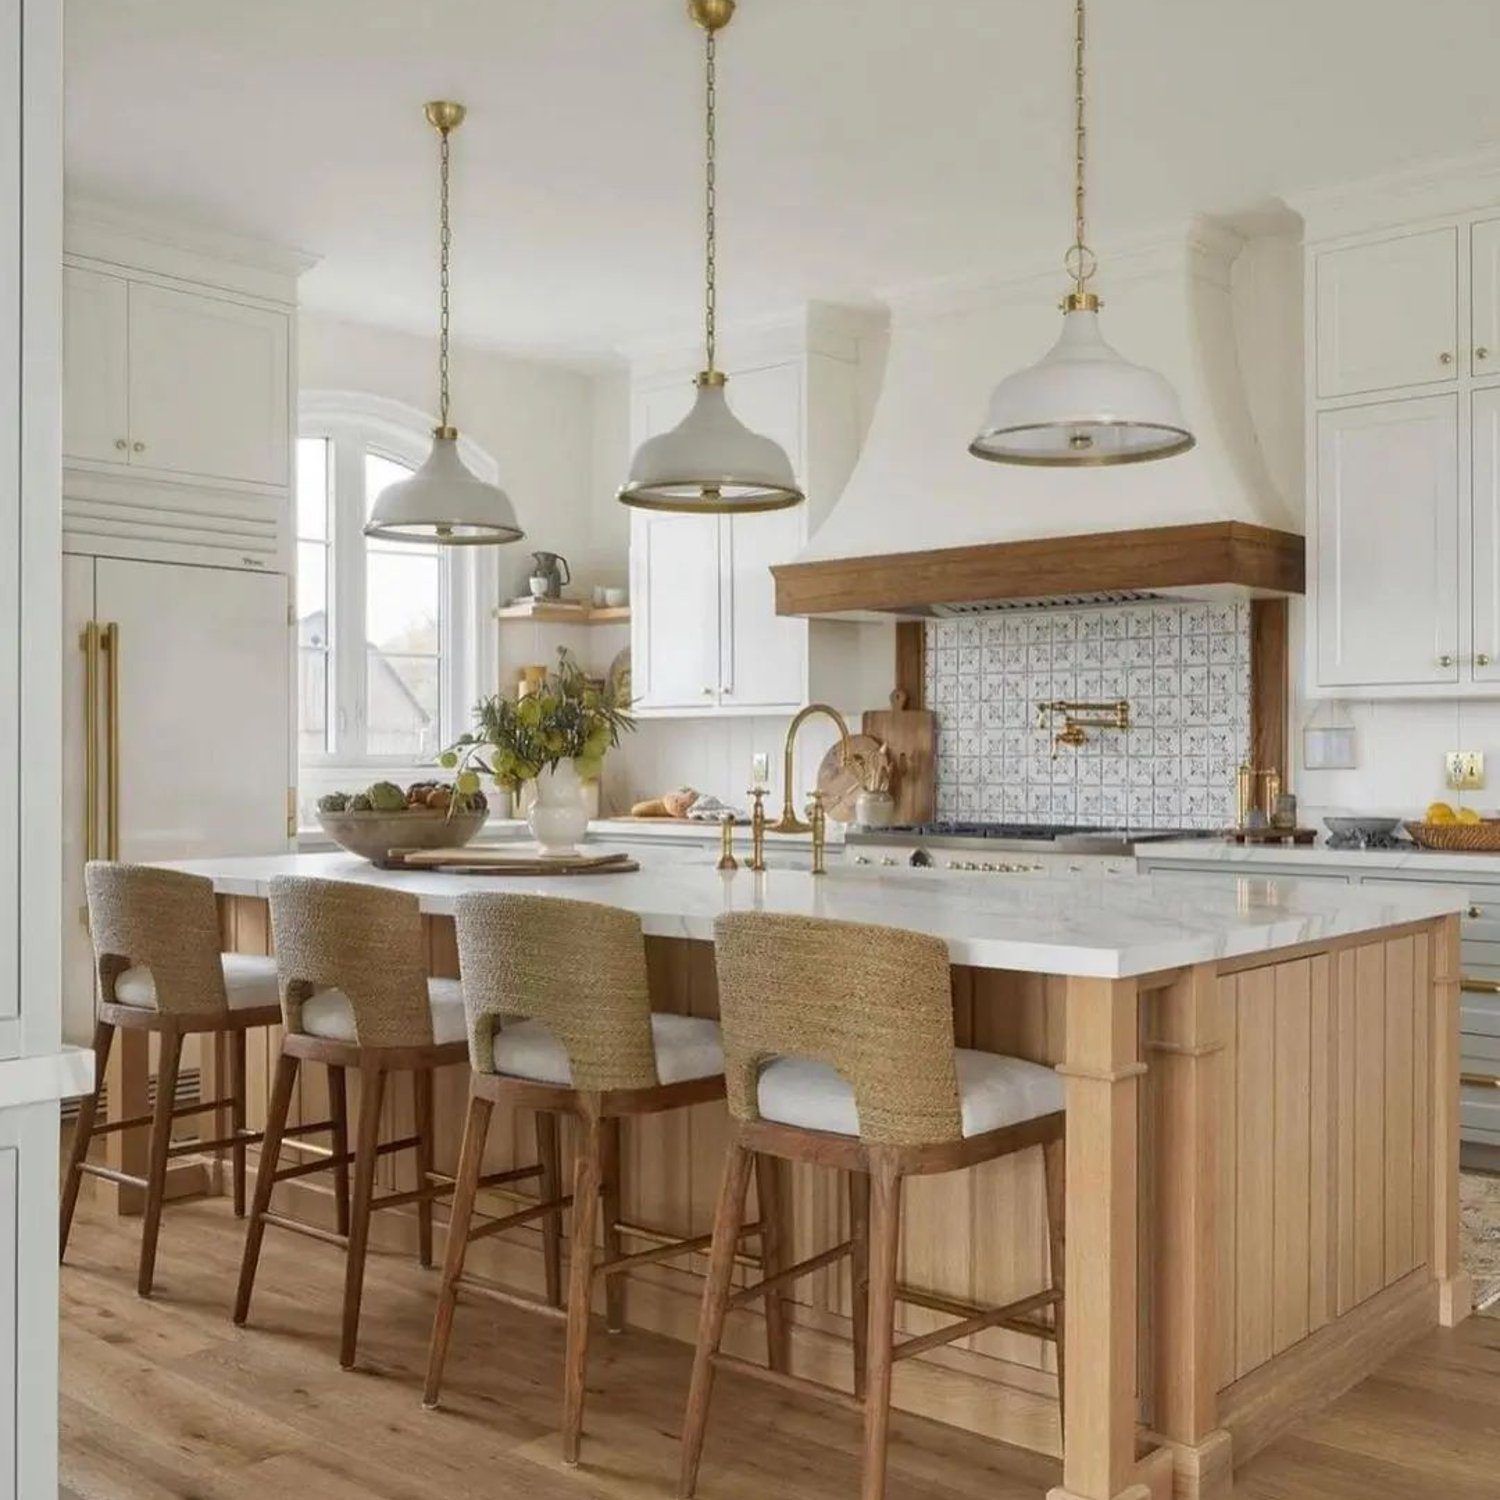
(864, 143)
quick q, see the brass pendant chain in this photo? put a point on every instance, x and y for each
(710, 265)
(1080, 259)
(445, 241)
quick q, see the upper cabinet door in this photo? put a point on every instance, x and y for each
(208, 386)
(1485, 555)
(1484, 352)
(764, 654)
(96, 402)
(1387, 537)
(1387, 313)
(675, 585)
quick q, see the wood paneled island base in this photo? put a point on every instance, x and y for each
(1261, 1199)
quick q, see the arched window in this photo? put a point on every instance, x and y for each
(391, 637)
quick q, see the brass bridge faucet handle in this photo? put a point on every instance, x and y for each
(819, 832)
(727, 861)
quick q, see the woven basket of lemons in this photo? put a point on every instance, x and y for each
(1462, 828)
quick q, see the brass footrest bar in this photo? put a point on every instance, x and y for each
(521, 1216)
(311, 1231)
(494, 1179)
(798, 1384)
(493, 1293)
(1010, 1313)
(662, 1237)
(292, 1131)
(622, 1263)
(792, 1273)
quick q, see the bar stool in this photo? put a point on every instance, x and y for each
(355, 994)
(560, 1022)
(156, 948)
(839, 1050)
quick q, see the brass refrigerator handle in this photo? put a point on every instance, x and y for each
(112, 733)
(1480, 986)
(90, 646)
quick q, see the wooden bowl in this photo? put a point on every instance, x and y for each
(372, 835)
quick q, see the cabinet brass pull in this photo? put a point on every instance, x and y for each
(1445, 660)
(111, 642)
(1480, 986)
(1445, 358)
(90, 646)
(1480, 1080)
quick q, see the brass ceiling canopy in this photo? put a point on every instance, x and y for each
(710, 463)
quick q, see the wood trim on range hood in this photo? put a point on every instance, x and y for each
(1219, 553)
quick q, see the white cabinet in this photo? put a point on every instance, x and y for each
(675, 651)
(1387, 544)
(174, 381)
(96, 374)
(1387, 313)
(1484, 259)
(192, 754)
(764, 655)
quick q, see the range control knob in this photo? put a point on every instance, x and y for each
(887, 860)
(920, 859)
(861, 859)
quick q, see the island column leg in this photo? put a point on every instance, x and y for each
(1185, 1044)
(1455, 1290)
(1102, 1070)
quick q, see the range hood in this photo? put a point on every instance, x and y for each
(922, 528)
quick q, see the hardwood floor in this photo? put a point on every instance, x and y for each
(168, 1399)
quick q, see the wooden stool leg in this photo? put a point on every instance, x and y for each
(237, 1116)
(367, 1142)
(265, 1180)
(465, 1189)
(161, 1144)
(859, 1273)
(338, 1112)
(885, 1244)
(768, 1197)
(551, 1187)
(1054, 1166)
(729, 1216)
(609, 1208)
(83, 1132)
(421, 1080)
(587, 1168)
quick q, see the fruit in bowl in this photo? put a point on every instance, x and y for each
(382, 817)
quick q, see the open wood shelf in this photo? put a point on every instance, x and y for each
(564, 614)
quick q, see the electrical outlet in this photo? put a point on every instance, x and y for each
(760, 769)
(1465, 769)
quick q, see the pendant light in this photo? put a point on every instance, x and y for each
(443, 501)
(1082, 404)
(710, 463)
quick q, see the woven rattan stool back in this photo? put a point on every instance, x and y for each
(161, 920)
(577, 967)
(367, 942)
(874, 1003)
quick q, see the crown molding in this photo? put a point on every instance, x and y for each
(1427, 190)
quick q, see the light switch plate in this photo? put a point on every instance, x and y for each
(1465, 769)
(760, 769)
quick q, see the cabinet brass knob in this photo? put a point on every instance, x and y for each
(137, 447)
(1445, 661)
(1482, 660)
(121, 444)
(1473, 914)
(1481, 352)
(1445, 358)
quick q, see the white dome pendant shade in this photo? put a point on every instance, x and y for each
(1082, 404)
(444, 501)
(710, 463)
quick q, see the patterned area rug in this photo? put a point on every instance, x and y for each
(1479, 1236)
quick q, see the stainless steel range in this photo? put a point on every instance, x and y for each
(981, 846)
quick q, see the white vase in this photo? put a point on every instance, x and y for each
(558, 819)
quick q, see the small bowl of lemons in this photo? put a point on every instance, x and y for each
(1444, 826)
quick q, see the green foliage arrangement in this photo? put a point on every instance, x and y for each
(567, 718)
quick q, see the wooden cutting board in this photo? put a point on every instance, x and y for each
(910, 734)
(472, 861)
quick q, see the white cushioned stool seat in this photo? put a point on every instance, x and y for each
(249, 981)
(686, 1047)
(993, 1092)
(329, 1015)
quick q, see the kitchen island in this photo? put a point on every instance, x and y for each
(1262, 1143)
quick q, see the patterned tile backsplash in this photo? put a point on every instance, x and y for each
(1184, 668)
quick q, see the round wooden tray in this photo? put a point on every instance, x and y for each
(840, 781)
(1475, 838)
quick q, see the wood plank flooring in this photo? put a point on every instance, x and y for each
(167, 1400)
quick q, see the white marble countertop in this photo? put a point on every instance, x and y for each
(1104, 926)
(1434, 863)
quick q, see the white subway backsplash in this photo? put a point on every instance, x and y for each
(1183, 668)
